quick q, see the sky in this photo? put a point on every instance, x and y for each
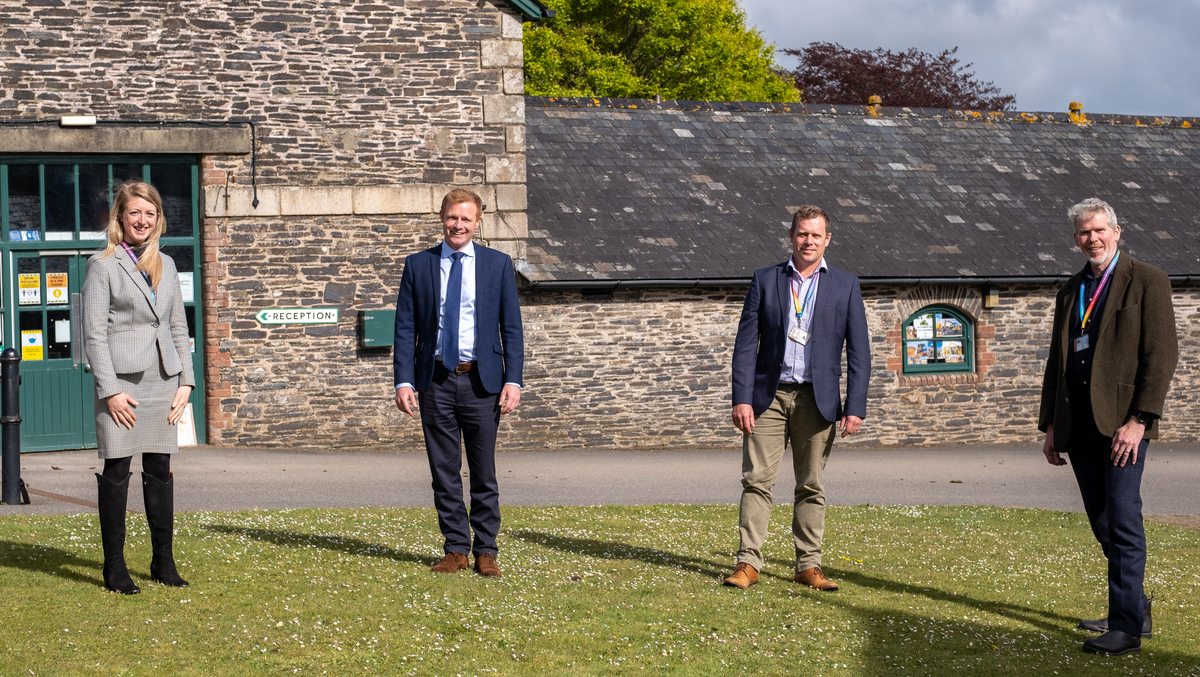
(1133, 57)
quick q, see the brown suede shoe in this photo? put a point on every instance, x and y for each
(814, 578)
(485, 565)
(451, 563)
(743, 576)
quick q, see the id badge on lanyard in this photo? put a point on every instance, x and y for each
(1082, 342)
(797, 334)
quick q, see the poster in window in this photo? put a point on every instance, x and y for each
(29, 287)
(950, 351)
(56, 288)
(923, 326)
(31, 345)
(948, 326)
(920, 352)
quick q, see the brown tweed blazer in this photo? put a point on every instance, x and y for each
(1135, 357)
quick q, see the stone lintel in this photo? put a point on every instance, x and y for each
(410, 198)
(240, 202)
(232, 139)
(316, 201)
(402, 199)
(964, 297)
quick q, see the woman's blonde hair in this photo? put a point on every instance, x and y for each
(149, 261)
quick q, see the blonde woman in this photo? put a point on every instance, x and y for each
(137, 343)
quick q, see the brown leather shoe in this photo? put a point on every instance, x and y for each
(451, 563)
(743, 576)
(485, 565)
(814, 578)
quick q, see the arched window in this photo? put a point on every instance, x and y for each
(938, 339)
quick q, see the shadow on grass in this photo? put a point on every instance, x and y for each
(1042, 618)
(48, 560)
(615, 550)
(349, 546)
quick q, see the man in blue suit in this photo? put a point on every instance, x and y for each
(787, 365)
(458, 353)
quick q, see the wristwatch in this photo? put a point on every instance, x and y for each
(1143, 417)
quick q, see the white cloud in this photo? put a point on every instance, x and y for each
(1115, 56)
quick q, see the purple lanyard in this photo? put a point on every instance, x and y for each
(129, 250)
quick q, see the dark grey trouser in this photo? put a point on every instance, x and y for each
(456, 410)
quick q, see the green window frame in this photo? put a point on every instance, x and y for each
(938, 339)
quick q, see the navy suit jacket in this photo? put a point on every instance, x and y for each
(499, 341)
(839, 319)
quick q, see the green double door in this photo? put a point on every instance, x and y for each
(53, 214)
(57, 388)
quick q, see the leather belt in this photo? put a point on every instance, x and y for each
(464, 367)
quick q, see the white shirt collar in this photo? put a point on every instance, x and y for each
(469, 250)
(821, 267)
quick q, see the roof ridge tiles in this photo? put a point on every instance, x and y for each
(869, 112)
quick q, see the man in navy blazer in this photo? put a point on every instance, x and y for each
(458, 353)
(787, 365)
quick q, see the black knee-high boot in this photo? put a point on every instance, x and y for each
(111, 498)
(160, 514)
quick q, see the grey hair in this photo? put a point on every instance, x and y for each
(1089, 208)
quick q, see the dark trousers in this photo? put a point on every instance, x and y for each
(456, 409)
(1112, 498)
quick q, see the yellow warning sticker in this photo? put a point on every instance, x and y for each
(29, 286)
(56, 288)
(31, 344)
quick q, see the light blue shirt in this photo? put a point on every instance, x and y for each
(466, 317)
(797, 365)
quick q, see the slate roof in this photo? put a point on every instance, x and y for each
(634, 190)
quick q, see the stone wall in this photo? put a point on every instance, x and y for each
(365, 114)
(640, 369)
(650, 369)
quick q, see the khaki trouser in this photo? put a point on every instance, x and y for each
(794, 416)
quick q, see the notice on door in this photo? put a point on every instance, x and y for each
(187, 287)
(29, 286)
(31, 344)
(56, 288)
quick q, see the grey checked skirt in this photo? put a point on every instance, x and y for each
(153, 390)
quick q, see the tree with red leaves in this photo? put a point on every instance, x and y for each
(830, 73)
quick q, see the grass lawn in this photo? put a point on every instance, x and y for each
(602, 590)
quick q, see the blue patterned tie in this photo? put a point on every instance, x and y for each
(452, 313)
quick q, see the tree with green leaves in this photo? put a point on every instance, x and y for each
(676, 49)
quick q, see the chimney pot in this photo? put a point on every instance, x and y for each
(874, 100)
(1076, 106)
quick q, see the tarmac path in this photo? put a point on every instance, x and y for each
(212, 478)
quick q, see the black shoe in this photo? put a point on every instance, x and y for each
(160, 515)
(111, 498)
(1113, 643)
(1101, 624)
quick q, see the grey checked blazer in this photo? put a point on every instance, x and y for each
(126, 329)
